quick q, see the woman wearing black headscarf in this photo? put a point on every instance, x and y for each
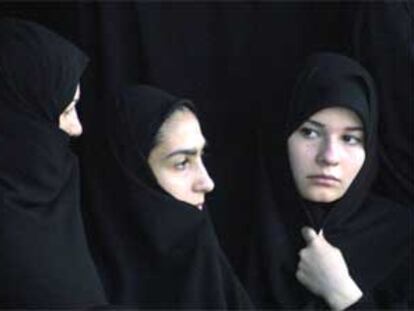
(321, 238)
(151, 236)
(44, 258)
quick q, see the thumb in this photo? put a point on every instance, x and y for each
(321, 234)
(308, 234)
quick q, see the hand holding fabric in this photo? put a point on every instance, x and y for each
(323, 271)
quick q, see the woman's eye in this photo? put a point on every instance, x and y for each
(307, 132)
(182, 165)
(352, 140)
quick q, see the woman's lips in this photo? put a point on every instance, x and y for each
(324, 180)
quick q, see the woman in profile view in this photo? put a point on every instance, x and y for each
(44, 258)
(148, 224)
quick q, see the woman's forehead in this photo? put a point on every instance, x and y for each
(182, 130)
(336, 117)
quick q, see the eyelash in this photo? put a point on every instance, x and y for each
(307, 132)
(310, 133)
(182, 165)
(355, 140)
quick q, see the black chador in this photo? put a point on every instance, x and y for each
(44, 258)
(372, 232)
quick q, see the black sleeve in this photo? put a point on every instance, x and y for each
(394, 292)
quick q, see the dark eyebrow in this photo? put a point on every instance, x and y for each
(313, 122)
(350, 128)
(190, 152)
(354, 128)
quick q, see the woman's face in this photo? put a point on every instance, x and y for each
(326, 153)
(176, 160)
(69, 119)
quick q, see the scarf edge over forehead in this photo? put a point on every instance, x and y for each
(328, 80)
(39, 70)
(154, 105)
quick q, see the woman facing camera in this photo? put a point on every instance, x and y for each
(322, 238)
(148, 225)
(44, 259)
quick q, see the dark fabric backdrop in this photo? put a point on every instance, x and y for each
(234, 59)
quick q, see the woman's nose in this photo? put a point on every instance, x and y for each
(329, 152)
(76, 126)
(204, 183)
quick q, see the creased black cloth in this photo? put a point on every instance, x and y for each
(373, 233)
(152, 250)
(383, 41)
(44, 257)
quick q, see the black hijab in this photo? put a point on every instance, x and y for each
(153, 251)
(372, 232)
(44, 259)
